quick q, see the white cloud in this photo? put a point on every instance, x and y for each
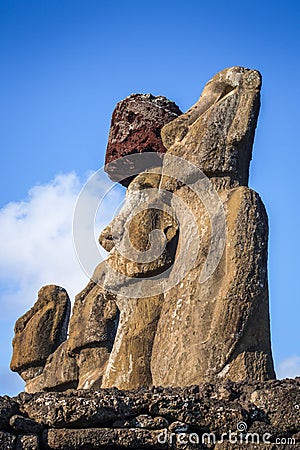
(289, 367)
(37, 247)
(36, 237)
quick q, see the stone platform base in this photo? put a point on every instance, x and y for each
(230, 416)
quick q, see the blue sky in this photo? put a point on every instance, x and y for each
(64, 66)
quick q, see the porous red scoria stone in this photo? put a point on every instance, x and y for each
(135, 128)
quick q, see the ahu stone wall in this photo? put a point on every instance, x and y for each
(198, 417)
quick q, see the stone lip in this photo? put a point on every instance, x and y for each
(135, 128)
(112, 418)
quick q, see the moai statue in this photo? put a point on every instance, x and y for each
(182, 297)
(203, 327)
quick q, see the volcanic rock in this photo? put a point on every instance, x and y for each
(135, 128)
(8, 408)
(40, 331)
(20, 423)
(194, 417)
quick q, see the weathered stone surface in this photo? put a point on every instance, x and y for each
(130, 235)
(25, 425)
(191, 416)
(92, 332)
(61, 370)
(271, 399)
(35, 385)
(94, 319)
(92, 363)
(135, 128)
(216, 134)
(31, 373)
(149, 422)
(208, 416)
(239, 351)
(233, 341)
(104, 438)
(28, 442)
(40, 331)
(198, 412)
(178, 427)
(200, 407)
(83, 408)
(129, 362)
(8, 408)
(7, 441)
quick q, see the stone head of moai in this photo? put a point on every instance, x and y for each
(182, 297)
